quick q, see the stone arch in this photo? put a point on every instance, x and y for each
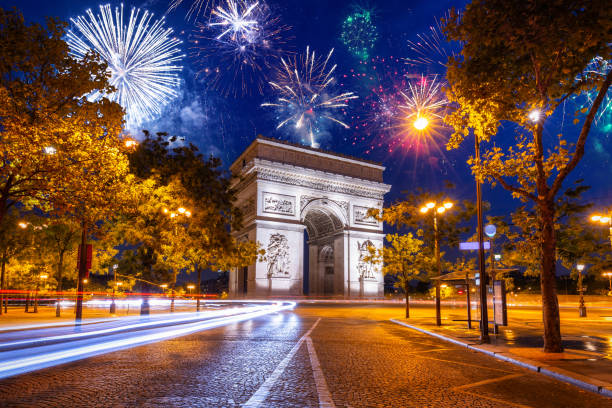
(325, 222)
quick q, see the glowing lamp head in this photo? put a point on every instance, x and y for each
(164, 286)
(50, 150)
(430, 205)
(23, 225)
(448, 205)
(420, 123)
(130, 143)
(535, 115)
(604, 220)
(580, 267)
(441, 210)
(424, 209)
(44, 276)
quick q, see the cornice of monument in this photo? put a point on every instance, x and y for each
(263, 169)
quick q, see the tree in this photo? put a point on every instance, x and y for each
(405, 215)
(53, 139)
(402, 258)
(58, 239)
(16, 236)
(171, 175)
(519, 62)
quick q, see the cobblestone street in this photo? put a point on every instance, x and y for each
(344, 356)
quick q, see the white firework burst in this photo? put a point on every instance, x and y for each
(305, 94)
(236, 19)
(142, 57)
(423, 99)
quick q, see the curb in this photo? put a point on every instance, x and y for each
(528, 364)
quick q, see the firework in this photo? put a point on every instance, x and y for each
(305, 95)
(594, 73)
(423, 100)
(359, 33)
(196, 8)
(431, 50)
(142, 57)
(237, 47)
(237, 20)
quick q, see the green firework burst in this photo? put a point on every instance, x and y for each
(359, 33)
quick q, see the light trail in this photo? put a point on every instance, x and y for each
(70, 353)
(166, 319)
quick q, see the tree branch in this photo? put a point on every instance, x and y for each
(512, 188)
(584, 132)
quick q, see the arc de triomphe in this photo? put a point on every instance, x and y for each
(284, 189)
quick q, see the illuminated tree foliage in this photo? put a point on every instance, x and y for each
(404, 259)
(170, 176)
(519, 63)
(60, 151)
(359, 33)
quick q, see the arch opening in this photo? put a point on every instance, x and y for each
(325, 267)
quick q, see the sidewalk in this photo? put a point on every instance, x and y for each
(586, 361)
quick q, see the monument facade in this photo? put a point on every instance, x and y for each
(292, 196)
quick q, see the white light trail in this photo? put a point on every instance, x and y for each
(35, 362)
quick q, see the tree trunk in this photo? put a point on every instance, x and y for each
(81, 274)
(407, 300)
(199, 288)
(2, 275)
(60, 268)
(27, 302)
(550, 304)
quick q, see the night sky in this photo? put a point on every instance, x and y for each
(225, 125)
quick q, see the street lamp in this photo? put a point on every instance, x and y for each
(420, 123)
(439, 209)
(609, 275)
(581, 307)
(181, 211)
(604, 219)
(113, 306)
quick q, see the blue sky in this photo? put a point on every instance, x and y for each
(224, 126)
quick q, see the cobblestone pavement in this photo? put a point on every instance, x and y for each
(353, 357)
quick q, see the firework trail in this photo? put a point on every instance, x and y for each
(305, 95)
(141, 57)
(423, 99)
(236, 49)
(431, 50)
(594, 73)
(197, 7)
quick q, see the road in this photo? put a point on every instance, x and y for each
(312, 356)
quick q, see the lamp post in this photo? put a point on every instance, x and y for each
(113, 306)
(581, 307)
(181, 211)
(190, 288)
(437, 209)
(40, 277)
(484, 314)
(609, 275)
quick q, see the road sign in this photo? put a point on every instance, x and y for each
(473, 246)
